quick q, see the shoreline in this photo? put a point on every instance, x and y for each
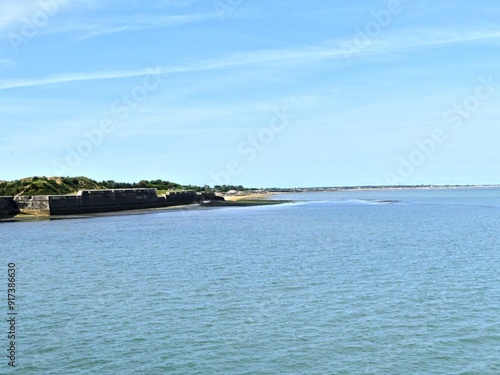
(142, 211)
(236, 201)
(246, 196)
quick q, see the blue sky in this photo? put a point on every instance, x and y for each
(258, 93)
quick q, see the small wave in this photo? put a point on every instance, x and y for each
(340, 201)
(369, 201)
(387, 201)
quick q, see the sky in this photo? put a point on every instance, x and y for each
(280, 93)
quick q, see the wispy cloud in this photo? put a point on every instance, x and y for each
(127, 24)
(13, 12)
(73, 77)
(438, 36)
(81, 17)
(136, 5)
(310, 54)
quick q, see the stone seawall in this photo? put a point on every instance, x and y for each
(33, 205)
(95, 201)
(8, 207)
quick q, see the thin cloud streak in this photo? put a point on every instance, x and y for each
(13, 12)
(130, 24)
(306, 54)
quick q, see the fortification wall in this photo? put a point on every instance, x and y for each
(8, 207)
(182, 197)
(33, 205)
(95, 201)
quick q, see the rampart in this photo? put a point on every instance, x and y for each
(95, 201)
(8, 207)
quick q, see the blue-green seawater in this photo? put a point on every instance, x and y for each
(338, 283)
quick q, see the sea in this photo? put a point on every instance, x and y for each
(353, 282)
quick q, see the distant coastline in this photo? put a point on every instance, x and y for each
(382, 187)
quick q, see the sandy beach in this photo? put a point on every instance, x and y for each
(237, 197)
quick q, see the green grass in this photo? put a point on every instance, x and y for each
(47, 186)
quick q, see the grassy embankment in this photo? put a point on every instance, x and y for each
(47, 186)
(71, 185)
